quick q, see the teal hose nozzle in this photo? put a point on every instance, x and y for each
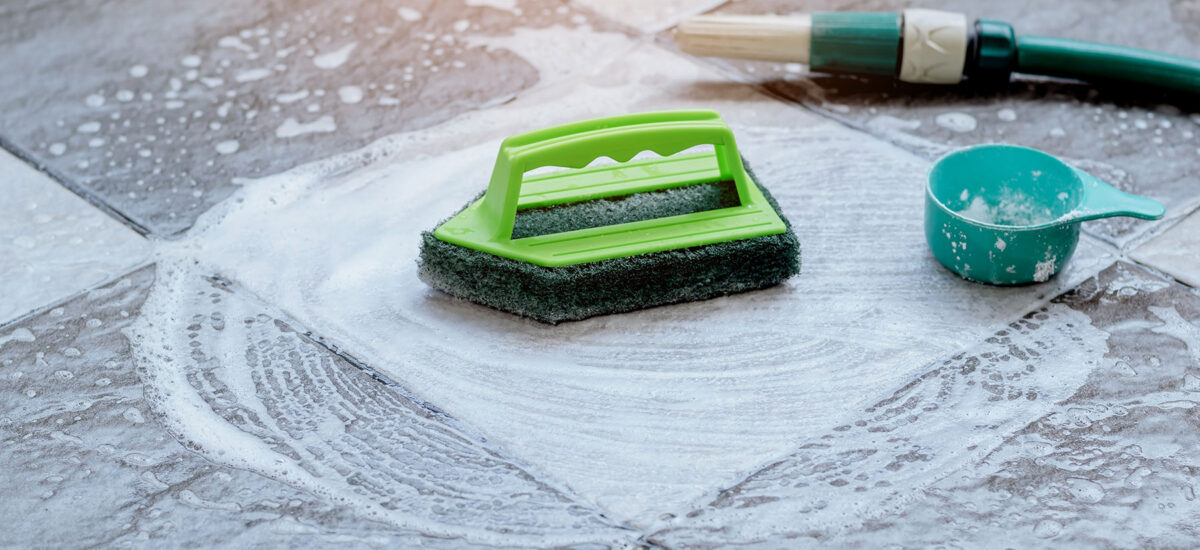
(927, 47)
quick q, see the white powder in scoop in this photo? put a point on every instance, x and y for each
(1012, 208)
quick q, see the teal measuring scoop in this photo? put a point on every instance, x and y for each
(1009, 215)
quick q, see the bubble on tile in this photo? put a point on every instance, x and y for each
(227, 147)
(1047, 529)
(292, 128)
(19, 334)
(138, 71)
(1006, 115)
(234, 42)
(88, 127)
(335, 58)
(57, 149)
(291, 97)
(409, 14)
(251, 75)
(94, 100)
(956, 122)
(190, 61)
(505, 5)
(350, 94)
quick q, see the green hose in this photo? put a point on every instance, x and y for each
(1079, 60)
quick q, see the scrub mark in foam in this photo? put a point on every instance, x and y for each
(245, 391)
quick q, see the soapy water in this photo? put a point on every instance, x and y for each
(639, 413)
(1011, 208)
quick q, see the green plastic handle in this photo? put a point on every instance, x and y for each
(1080, 60)
(1101, 200)
(620, 138)
(487, 224)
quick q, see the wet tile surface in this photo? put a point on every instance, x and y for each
(1176, 251)
(291, 446)
(54, 244)
(876, 399)
(1074, 426)
(1141, 141)
(158, 108)
(644, 420)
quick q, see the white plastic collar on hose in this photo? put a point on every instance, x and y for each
(935, 47)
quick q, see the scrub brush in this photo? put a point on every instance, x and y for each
(927, 47)
(594, 240)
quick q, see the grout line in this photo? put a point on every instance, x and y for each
(83, 193)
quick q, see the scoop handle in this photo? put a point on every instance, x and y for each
(1101, 200)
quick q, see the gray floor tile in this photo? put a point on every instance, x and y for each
(1074, 426)
(1139, 140)
(160, 108)
(244, 434)
(54, 244)
(643, 412)
(1176, 251)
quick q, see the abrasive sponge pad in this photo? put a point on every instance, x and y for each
(556, 294)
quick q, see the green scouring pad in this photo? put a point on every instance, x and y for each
(577, 243)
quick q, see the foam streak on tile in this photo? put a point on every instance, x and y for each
(246, 391)
(876, 465)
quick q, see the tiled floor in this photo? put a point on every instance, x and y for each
(264, 369)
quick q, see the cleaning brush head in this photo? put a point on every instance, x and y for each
(613, 238)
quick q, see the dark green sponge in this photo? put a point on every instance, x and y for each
(556, 294)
